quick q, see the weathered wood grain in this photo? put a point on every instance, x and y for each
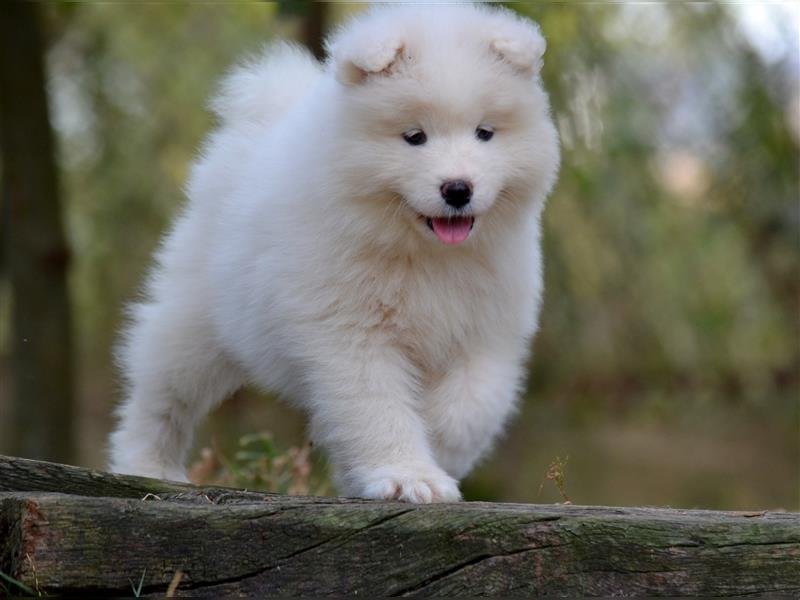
(75, 532)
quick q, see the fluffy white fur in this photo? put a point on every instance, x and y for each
(303, 263)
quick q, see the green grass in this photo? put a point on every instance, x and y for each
(137, 589)
(18, 584)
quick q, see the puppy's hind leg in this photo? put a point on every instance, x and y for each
(176, 375)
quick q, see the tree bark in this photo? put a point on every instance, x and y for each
(313, 28)
(36, 251)
(71, 531)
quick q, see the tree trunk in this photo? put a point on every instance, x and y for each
(36, 252)
(313, 28)
(70, 531)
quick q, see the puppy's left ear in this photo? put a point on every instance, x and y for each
(359, 53)
(519, 43)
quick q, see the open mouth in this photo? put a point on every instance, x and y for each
(451, 230)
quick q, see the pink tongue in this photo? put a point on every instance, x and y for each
(452, 231)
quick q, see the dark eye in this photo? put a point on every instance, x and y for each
(484, 134)
(415, 137)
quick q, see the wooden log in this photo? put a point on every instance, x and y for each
(71, 531)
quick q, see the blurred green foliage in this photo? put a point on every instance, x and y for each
(672, 237)
(258, 464)
(670, 325)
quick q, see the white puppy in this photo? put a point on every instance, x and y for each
(362, 237)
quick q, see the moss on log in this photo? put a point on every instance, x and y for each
(70, 531)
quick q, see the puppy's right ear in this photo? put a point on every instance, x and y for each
(359, 53)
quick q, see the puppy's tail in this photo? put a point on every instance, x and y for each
(265, 86)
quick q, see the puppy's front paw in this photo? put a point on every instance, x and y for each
(420, 484)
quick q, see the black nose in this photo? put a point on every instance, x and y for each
(457, 193)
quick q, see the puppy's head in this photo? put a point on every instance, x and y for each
(442, 107)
